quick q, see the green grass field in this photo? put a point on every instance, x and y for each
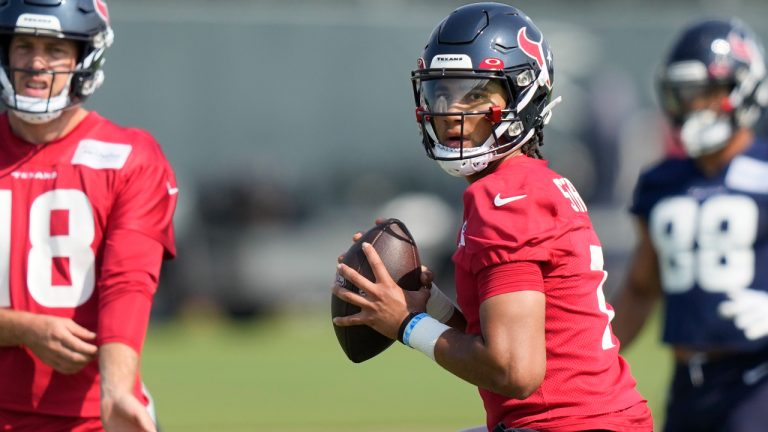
(289, 374)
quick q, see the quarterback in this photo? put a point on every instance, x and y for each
(528, 265)
(86, 211)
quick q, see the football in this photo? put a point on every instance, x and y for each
(398, 252)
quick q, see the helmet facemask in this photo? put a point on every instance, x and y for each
(469, 119)
(37, 110)
(703, 114)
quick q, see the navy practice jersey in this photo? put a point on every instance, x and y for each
(711, 238)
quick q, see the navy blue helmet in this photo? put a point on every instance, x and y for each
(479, 50)
(713, 56)
(84, 21)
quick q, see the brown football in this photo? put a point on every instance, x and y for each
(398, 252)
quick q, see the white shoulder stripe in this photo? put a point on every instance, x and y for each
(101, 155)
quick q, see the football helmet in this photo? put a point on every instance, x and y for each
(710, 58)
(84, 21)
(482, 86)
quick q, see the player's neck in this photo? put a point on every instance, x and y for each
(711, 164)
(47, 132)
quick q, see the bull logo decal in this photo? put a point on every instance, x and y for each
(535, 50)
(101, 8)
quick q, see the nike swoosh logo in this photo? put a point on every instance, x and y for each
(171, 190)
(499, 201)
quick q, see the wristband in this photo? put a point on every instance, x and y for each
(422, 332)
(403, 324)
(439, 305)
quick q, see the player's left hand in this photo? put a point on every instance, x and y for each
(384, 306)
(122, 412)
(748, 308)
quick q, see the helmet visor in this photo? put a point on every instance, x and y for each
(463, 111)
(455, 95)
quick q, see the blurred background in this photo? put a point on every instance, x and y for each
(291, 125)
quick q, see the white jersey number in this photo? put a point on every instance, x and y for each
(596, 264)
(74, 246)
(724, 227)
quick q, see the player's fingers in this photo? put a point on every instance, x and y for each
(757, 331)
(357, 236)
(71, 363)
(145, 421)
(80, 331)
(356, 278)
(349, 320)
(81, 347)
(378, 267)
(350, 297)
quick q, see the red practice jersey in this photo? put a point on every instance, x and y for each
(525, 212)
(77, 217)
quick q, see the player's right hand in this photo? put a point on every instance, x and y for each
(59, 342)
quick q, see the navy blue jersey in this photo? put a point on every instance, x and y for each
(711, 238)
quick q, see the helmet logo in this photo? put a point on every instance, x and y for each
(739, 47)
(101, 8)
(535, 51)
(491, 63)
(420, 64)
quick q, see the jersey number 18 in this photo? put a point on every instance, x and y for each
(75, 246)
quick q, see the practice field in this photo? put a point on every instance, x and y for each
(289, 374)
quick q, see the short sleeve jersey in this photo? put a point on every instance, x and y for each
(710, 234)
(62, 205)
(524, 211)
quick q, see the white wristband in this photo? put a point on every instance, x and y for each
(439, 305)
(422, 332)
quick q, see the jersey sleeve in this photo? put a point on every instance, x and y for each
(522, 230)
(139, 234)
(129, 276)
(509, 277)
(147, 199)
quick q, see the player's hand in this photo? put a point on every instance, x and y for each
(384, 306)
(748, 308)
(59, 342)
(122, 412)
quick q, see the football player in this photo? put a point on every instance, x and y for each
(703, 233)
(528, 264)
(85, 221)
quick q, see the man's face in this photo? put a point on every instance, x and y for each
(454, 95)
(46, 63)
(685, 100)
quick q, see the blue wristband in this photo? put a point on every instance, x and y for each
(411, 324)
